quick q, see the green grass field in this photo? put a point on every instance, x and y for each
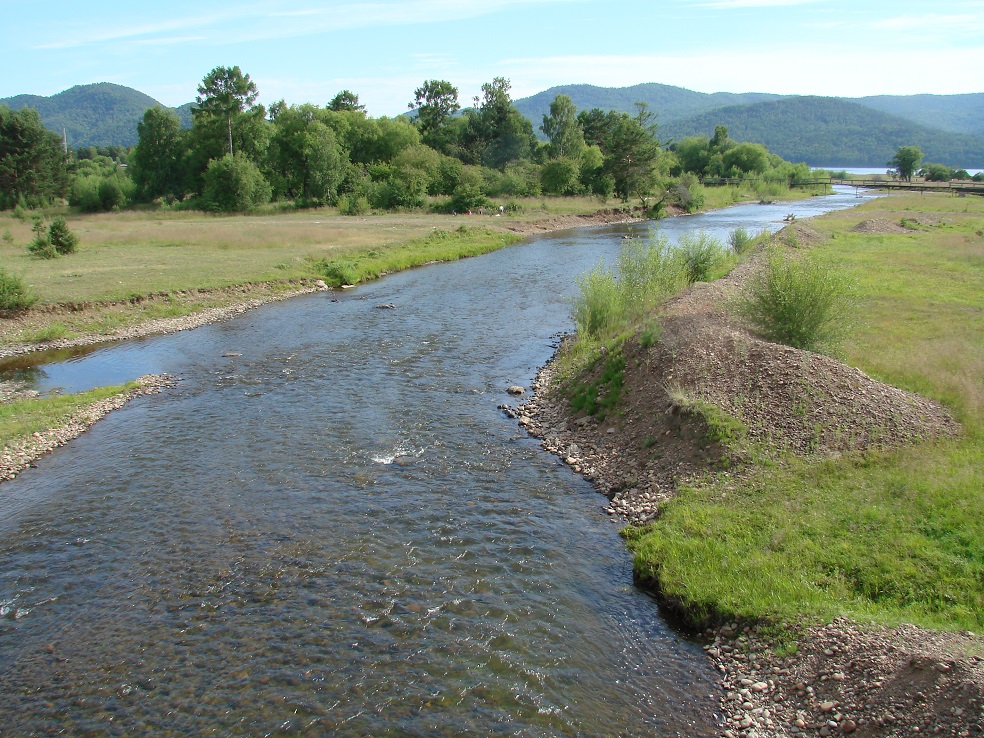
(885, 536)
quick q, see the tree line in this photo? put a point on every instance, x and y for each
(239, 155)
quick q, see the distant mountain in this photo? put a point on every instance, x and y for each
(668, 102)
(955, 113)
(822, 131)
(827, 131)
(102, 114)
(818, 130)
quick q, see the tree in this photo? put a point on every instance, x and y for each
(746, 158)
(436, 102)
(906, 161)
(305, 159)
(497, 133)
(346, 100)
(224, 94)
(563, 130)
(155, 164)
(32, 162)
(632, 153)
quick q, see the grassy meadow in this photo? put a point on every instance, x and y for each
(887, 536)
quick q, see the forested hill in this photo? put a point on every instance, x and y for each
(955, 113)
(102, 114)
(825, 131)
(670, 103)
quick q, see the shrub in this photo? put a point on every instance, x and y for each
(14, 294)
(689, 193)
(62, 239)
(352, 204)
(700, 253)
(798, 302)
(610, 301)
(337, 273)
(234, 184)
(739, 240)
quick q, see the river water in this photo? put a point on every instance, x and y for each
(336, 530)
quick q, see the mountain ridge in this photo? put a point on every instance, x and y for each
(823, 131)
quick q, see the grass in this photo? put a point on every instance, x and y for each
(350, 266)
(21, 418)
(884, 536)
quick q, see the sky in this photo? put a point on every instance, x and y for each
(305, 51)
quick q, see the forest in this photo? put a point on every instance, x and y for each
(239, 155)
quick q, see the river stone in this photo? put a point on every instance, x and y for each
(515, 390)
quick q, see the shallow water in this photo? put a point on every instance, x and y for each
(339, 530)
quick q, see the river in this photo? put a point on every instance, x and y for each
(329, 526)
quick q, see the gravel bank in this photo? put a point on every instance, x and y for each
(22, 453)
(842, 678)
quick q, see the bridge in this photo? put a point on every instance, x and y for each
(957, 187)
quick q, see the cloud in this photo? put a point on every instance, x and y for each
(930, 23)
(728, 4)
(257, 22)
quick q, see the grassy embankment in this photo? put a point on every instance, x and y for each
(887, 536)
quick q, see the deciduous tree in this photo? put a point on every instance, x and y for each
(906, 161)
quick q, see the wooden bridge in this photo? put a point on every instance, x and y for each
(957, 187)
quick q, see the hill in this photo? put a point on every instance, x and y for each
(955, 113)
(826, 131)
(102, 114)
(670, 103)
(819, 130)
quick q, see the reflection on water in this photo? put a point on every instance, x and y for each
(337, 530)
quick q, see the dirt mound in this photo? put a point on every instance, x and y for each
(775, 396)
(879, 226)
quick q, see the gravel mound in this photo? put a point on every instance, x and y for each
(878, 225)
(844, 678)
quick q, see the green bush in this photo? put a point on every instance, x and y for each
(798, 302)
(337, 273)
(739, 240)
(611, 301)
(14, 294)
(700, 253)
(234, 184)
(352, 204)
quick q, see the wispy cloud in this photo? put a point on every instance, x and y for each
(932, 22)
(258, 22)
(752, 3)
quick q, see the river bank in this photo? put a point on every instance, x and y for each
(790, 676)
(229, 303)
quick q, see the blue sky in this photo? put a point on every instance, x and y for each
(306, 51)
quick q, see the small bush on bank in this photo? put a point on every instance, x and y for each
(14, 294)
(611, 300)
(739, 240)
(798, 302)
(700, 253)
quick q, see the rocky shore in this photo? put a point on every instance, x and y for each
(839, 678)
(22, 453)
